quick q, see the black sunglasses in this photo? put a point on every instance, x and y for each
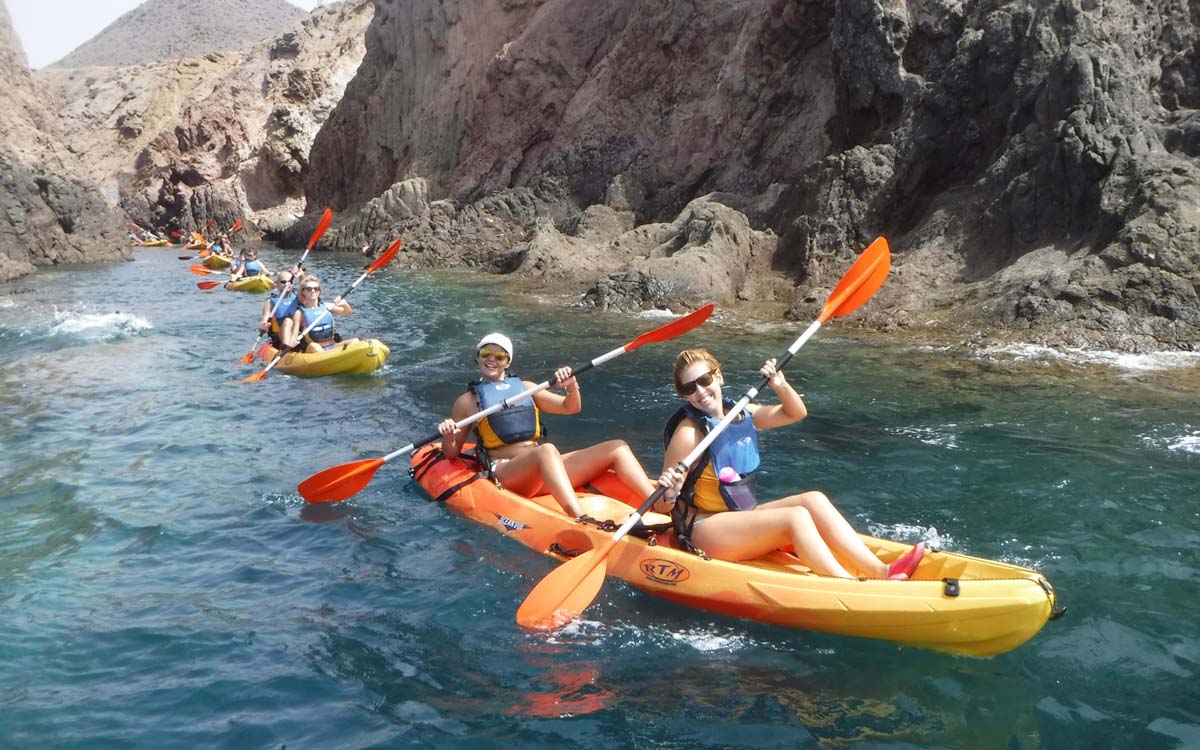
(704, 381)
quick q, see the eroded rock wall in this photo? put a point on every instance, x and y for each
(49, 212)
(223, 136)
(1031, 161)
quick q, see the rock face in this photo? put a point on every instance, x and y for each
(49, 213)
(1032, 163)
(160, 30)
(223, 136)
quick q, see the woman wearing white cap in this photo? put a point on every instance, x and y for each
(510, 440)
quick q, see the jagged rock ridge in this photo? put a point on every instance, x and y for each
(174, 29)
(49, 214)
(222, 136)
(1033, 163)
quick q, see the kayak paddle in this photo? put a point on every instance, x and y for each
(568, 589)
(380, 263)
(327, 217)
(340, 482)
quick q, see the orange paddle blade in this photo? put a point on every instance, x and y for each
(860, 282)
(563, 594)
(676, 327)
(339, 482)
(208, 284)
(199, 270)
(236, 226)
(322, 225)
(246, 358)
(254, 378)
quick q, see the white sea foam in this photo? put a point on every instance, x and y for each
(5, 304)
(906, 532)
(707, 642)
(656, 314)
(1133, 362)
(96, 327)
(1187, 442)
(929, 435)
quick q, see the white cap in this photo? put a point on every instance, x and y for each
(500, 340)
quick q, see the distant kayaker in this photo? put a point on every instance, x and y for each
(723, 480)
(277, 312)
(312, 310)
(510, 441)
(250, 266)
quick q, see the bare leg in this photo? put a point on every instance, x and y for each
(837, 532)
(585, 465)
(745, 535)
(543, 465)
(287, 332)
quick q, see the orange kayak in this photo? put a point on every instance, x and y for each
(954, 603)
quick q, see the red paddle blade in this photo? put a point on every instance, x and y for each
(175, 234)
(210, 223)
(388, 254)
(236, 226)
(208, 284)
(322, 225)
(860, 282)
(339, 482)
(676, 327)
(563, 594)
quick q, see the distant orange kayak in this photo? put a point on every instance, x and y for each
(954, 603)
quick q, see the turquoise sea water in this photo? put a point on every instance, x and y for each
(162, 585)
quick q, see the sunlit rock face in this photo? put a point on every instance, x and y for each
(50, 213)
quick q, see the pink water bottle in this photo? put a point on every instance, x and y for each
(728, 475)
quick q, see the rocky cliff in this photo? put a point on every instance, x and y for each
(160, 30)
(1031, 161)
(49, 213)
(222, 136)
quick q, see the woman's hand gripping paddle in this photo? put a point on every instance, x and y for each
(340, 482)
(380, 263)
(568, 589)
(327, 217)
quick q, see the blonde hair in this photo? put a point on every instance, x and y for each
(689, 357)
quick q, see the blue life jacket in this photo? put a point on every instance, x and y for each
(286, 309)
(736, 447)
(322, 332)
(518, 422)
(253, 268)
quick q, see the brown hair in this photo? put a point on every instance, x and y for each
(689, 357)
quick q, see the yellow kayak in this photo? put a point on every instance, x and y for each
(155, 243)
(217, 261)
(363, 356)
(251, 284)
(955, 603)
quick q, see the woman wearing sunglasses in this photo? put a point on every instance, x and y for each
(714, 506)
(311, 310)
(510, 441)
